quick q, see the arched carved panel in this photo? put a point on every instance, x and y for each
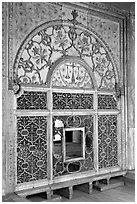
(52, 41)
(71, 75)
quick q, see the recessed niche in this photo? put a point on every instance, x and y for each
(73, 144)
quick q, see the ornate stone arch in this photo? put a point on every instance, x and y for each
(59, 39)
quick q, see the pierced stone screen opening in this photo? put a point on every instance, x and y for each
(74, 145)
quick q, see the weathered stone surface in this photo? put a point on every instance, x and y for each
(109, 31)
(28, 15)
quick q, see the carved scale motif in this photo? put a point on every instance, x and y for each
(62, 168)
(53, 42)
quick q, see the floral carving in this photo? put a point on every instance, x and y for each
(27, 65)
(45, 38)
(39, 53)
(109, 74)
(83, 43)
(56, 41)
(61, 40)
(101, 62)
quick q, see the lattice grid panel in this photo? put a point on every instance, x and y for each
(32, 100)
(106, 102)
(72, 101)
(31, 148)
(107, 141)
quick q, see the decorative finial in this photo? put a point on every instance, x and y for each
(74, 13)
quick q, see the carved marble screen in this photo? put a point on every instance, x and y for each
(107, 141)
(59, 166)
(67, 71)
(31, 148)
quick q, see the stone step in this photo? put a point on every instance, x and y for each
(42, 197)
(32, 191)
(54, 198)
(113, 183)
(65, 192)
